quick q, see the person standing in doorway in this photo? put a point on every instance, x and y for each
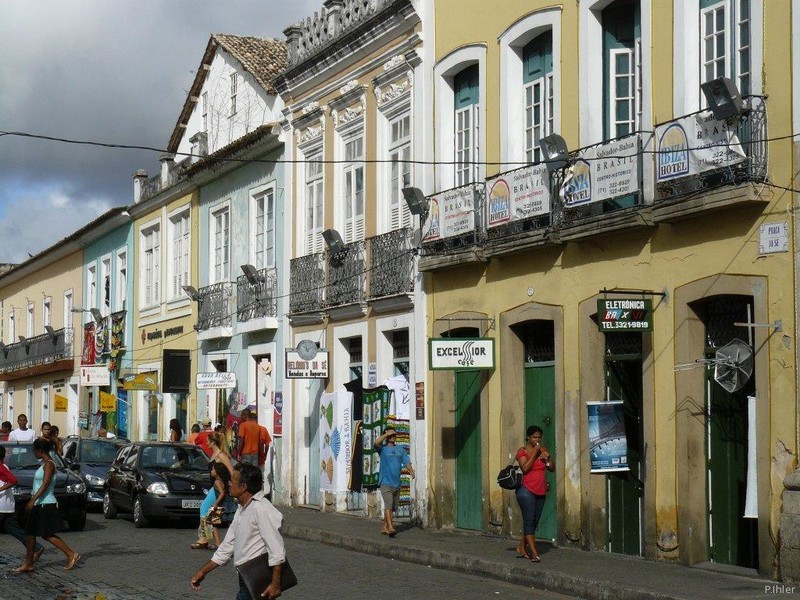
(249, 438)
(534, 460)
(8, 519)
(393, 460)
(22, 433)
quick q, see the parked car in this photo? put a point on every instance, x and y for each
(90, 458)
(70, 490)
(157, 480)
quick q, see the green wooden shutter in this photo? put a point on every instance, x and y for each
(466, 87)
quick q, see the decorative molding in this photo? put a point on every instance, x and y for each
(395, 91)
(310, 107)
(348, 87)
(310, 133)
(349, 114)
(395, 61)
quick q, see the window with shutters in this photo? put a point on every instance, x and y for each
(180, 253)
(264, 224)
(151, 266)
(353, 188)
(725, 42)
(29, 320)
(91, 290)
(220, 228)
(105, 283)
(467, 126)
(47, 311)
(400, 169)
(622, 92)
(537, 77)
(314, 202)
(121, 284)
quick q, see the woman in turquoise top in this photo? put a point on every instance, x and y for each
(44, 518)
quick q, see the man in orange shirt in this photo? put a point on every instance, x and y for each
(249, 438)
(264, 440)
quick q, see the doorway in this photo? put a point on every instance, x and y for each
(314, 391)
(625, 489)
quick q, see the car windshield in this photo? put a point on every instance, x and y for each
(174, 458)
(98, 452)
(21, 456)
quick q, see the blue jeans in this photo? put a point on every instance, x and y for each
(243, 593)
(531, 506)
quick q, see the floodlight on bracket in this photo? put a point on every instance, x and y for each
(252, 274)
(416, 201)
(192, 292)
(724, 100)
(554, 152)
(333, 241)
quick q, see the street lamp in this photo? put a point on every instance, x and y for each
(333, 241)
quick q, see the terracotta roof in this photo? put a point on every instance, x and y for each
(261, 57)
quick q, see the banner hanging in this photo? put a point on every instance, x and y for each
(608, 445)
(336, 441)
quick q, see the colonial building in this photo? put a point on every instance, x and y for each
(625, 250)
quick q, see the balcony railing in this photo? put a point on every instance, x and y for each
(346, 275)
(455, 220)
(307, 283)
(214, 306)
(391, 264)
(38, 350)
(697, 153)
(257, 299)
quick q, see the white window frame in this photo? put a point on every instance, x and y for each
(234, 83)
(727, 64)
(633, 100)
(105, 276)
(467, 143)
(69, 304)
(91, 290)
(12, 410)
(352, 224)
(591, 69)
(687, 54)
(45, 396)
(29, 403)
(399, 172)
(204, 110)
(150, 268)
(312, 187)
(179, 244)
(47, 311)
(444, 73)
(29, 319)
(121, 283)
(263, 235)
(12, 327)
(220, 243)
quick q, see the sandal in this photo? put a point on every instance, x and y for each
(71, 564)
(523, 553)
(199, 546)
(22, 569)
(535, 559)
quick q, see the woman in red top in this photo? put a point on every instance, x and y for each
(534, 460)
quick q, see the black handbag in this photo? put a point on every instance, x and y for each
(510, 477)
(257, 575)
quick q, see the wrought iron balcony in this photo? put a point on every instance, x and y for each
(307, 283)
(214, 306)
(346, 275)
(257, 299)
(698, 154)
(391, 264)
(38, 350)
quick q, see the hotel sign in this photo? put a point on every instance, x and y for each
(624, 315)
(450, 213)
(461, 353)
(297, 368)
(518, 195)
(603, 172)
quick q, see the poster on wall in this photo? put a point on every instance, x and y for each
(336, 441)
(608, 445)
(602, 172)
(277, 416)
(518, 195)
(450, 213)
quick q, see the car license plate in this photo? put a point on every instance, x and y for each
(191, 503)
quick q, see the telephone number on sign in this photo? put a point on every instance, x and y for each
(626, 325)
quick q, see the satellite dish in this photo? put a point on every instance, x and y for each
(733, 365)
(307, 349)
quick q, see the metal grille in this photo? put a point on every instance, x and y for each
(623, 343)
(539, 340)
(346, 275)
(720, 315)
(213, 306)
(258, 299)
(38, 350)
(391, 264)
(307, 283)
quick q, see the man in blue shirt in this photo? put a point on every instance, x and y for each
(393, 460)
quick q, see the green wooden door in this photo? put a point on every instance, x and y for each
(733, 539)
(540, 409)
(625, 488)
(469, 504)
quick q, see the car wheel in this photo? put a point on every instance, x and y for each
(139, 520)
(77, 522)
(109, 510)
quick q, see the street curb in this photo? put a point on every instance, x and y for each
(512, 573)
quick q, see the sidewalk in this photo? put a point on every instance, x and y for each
(588, 575)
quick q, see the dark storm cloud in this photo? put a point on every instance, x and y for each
(114, 72)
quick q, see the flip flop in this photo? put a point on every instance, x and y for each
(71, 564)
(199, 546)
(21, 570)
(535, 559)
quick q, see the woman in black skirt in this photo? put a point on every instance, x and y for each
(44, 518)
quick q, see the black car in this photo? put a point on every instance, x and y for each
(90, 458)
(155, 480)
(70, 490)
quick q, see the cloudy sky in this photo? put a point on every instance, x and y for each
(111, 71)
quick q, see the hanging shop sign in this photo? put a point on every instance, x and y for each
(695, 144)
(625, 314)
(216, 381)
(297, 368)
(518, 195)
(108, 402)
(450, 213)
(603, 172)
(146, 381)
(608, 444)
(461, 353)
(60, 403)
(95, 375)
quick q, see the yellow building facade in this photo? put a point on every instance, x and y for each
(547, 260)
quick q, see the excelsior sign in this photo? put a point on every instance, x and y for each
(461, 353)
(624, 314)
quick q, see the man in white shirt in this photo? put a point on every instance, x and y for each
(253, 532)
(22, 433)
